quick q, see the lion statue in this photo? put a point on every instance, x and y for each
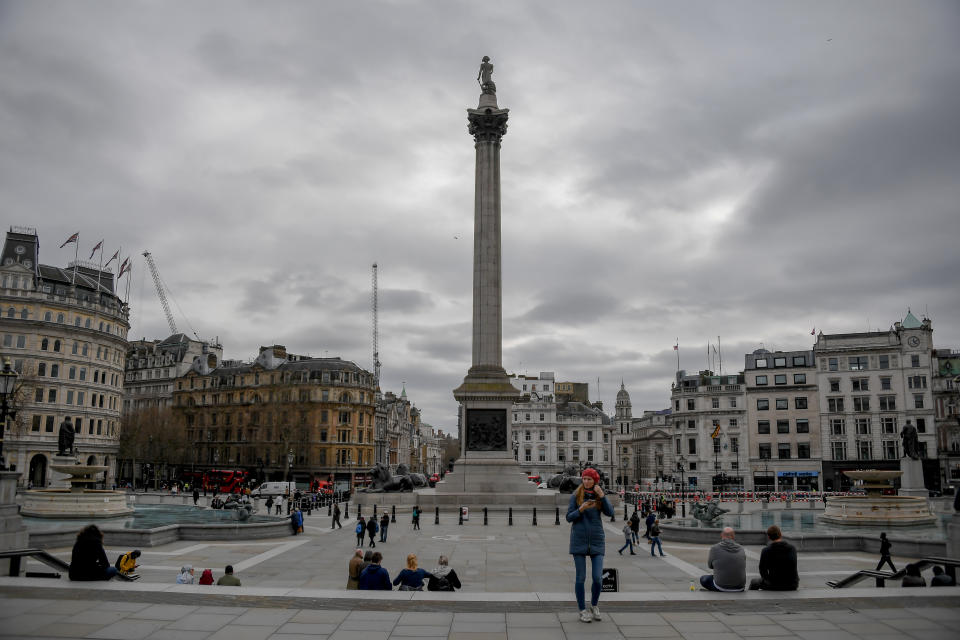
(708, 512)
(385, 482)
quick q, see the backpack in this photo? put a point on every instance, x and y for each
(359, 528)
(376, 527)
(119, 560)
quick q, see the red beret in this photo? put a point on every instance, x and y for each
(590, 472)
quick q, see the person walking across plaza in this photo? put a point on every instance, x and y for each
(585, 513)
(885, 553)
(628, 538)
(336, 517)
(778, 564)
(416, 517)
(372, 529)
(384, 523)
(360, 530)
(635, 527)
(196, 496)
(655, 538)
(651, 518)
(729, 563)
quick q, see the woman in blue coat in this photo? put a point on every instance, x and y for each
(587, 506)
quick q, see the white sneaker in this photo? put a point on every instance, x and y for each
(595, 610)
(585, 616)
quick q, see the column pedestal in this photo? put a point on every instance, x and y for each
(13, 533)
(911, 482)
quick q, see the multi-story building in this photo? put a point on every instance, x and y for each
(282, 417)
(550, 431)
(782, 433)
(153, 365)
(870, 384)
(623, 441)
(946, 401)
(65, 331)
(709, 429)
(401, 424)
(654, 459)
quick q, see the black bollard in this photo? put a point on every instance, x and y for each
(393, 514)
(358, 512)
(534, 516)
(624, 511)
(436, 515)
(558, 517)
(346, 511)
(374, 511)
(461, 516)
(484, 516)
(329, 509)
(510, 517)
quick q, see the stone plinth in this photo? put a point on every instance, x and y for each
(953, 536)
(911, 482)
(13, 533)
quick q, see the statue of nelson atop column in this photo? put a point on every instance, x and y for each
(485, 77)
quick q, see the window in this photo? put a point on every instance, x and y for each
(44, 344)
(803, 450)
(38, 395)
(764, 450)
(885, 384)
(835, 386)
(526, 417)
(734, 445)
(732, 422)
(861, 404)
(761, 381)
(691, 424)
(52, 395)
(835, 405)
(715, 403)
(763, 426)
(54, 371)
(783, 451)
(834, 364)
(589, 455)
(864, 450)
(799, 361)
(799, 378)
(888, 403)
(589, 436)
(560, 436)
(863, 426)
(543, 435)
(692, 446)
(576, 436)
(803, 425)
(780, 379)
(42, 369)
(526, 455)
(800, 402)
(541, 417)
(761, 363)
(917, 382)
(783, 404)
(918, 401)
(733, 403)
(888, 424)
(48, 427)
(783, 426)
(890, 450)
(838, 450)
(690, 404)
(857, 363)
(716, 445)
(763, 404)
(860, 384)
(921, 425)
(779, 362)
(914, 361)
(884, 362)
(526, 435)
(838, 426)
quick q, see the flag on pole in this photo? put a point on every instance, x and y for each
(123, 268)
(72, 238)
(113, 257)
(716, 432)
(99, 246)
(676, 347)
(813, 331)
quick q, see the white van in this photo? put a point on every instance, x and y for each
(274, 489)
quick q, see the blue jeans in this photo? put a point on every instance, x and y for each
(383, 534)
(628, 543)
(110, 573)
(596, 574)
(656, 543)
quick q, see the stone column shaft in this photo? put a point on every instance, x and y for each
(487, 289)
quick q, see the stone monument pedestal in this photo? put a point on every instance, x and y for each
(953, 536)
(911, 482)
(13, 533)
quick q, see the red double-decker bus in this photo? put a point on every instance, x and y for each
(221, 480)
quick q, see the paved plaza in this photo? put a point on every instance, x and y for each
(517, 584)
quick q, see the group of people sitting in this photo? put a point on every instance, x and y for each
(367, 574)
(778, 564)
(186, 576)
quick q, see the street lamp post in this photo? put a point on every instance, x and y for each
(290, 465)
(8, 383)
(683, 501)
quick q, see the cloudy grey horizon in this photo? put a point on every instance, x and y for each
(671, 172)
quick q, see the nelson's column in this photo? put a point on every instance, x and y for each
(486, 397)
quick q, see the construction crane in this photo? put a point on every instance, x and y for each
(376, 331)
(158, 283)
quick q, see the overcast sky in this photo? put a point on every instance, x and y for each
(672, 170)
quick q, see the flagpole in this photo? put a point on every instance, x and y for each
(76, 255)
(100, 270)
(678, 353)
(720, 355)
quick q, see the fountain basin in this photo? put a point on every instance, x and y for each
(75, 504)
(887, 511)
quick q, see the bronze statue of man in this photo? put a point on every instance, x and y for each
(911, 444)
(66, 436)
(485, 77)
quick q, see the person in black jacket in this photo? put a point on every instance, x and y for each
(778, 564)
(443, 578)
(885, 553)
(372, 529)
(88, 560)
